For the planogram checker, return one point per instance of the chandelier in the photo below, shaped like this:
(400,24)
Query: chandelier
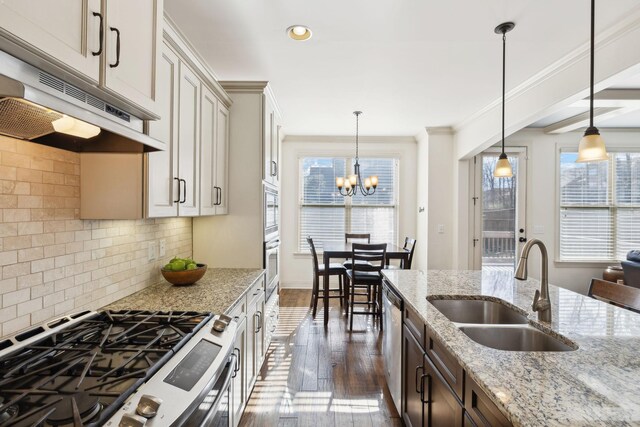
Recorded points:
(350,186)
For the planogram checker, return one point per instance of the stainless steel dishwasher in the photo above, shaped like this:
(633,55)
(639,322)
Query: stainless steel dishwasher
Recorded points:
(392,343)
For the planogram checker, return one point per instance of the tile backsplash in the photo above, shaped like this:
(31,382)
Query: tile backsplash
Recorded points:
(53,263)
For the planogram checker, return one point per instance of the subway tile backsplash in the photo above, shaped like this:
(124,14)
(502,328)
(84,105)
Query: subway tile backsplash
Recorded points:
(51,262)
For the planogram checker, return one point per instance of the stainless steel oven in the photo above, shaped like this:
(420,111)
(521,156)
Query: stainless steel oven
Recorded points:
(271,213)
(272,265)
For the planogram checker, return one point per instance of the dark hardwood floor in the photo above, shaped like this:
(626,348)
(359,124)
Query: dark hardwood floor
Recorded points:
(318,377)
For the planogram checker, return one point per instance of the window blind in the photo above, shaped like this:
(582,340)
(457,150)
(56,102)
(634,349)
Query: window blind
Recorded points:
(599,207)
(326,215)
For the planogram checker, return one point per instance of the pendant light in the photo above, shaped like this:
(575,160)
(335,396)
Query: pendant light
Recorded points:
(351,185)
(503,167)
(591,148)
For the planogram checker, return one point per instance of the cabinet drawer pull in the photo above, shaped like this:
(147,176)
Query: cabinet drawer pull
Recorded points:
(418,387)
(99,52)
(428,377)
(178,200)
(184,195)
(117,31)
(237,367)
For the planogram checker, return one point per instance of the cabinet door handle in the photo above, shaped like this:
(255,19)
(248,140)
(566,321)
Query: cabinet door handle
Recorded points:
(184,195)
(276,167)
(418,387)
(117,31)
(237,367)
(99,52)
(428,377)
(178,200)
(273,167)
(219,196)
(256,317)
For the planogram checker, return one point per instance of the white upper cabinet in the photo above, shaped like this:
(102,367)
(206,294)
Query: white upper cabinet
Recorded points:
(68,30)
(132,39)
(162,166)
(270,142)
(189,142)
(112,45)
(214,150)
(222,159)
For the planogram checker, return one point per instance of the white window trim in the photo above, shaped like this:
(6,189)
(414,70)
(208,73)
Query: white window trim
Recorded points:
(571,147)
(347,154)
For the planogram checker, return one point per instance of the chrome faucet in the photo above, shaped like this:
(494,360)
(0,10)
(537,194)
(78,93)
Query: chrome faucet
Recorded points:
(541,301)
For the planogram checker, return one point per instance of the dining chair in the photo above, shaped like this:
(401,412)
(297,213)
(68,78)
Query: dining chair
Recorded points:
(361,238)
(619,295)
(406,260)
(335,269)
(368,262)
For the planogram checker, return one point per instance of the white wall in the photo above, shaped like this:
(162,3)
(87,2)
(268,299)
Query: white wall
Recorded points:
(296,269)
(542,200)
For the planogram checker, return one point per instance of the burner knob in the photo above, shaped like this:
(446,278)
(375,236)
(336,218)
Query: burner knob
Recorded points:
(148,406)
(132,420)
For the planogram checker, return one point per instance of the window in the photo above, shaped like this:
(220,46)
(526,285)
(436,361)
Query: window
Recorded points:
(599,207)
(326,216)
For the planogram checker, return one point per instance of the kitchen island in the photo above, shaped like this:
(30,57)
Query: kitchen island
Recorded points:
(218,291)
(596,384)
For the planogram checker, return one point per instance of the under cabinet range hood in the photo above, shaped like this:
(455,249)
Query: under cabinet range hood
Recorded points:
(41,108)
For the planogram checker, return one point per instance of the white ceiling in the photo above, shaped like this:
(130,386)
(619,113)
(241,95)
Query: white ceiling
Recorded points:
(407,64)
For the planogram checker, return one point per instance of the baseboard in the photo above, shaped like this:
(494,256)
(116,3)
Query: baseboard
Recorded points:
(295,285)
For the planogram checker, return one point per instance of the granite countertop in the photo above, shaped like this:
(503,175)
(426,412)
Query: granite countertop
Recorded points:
(217,291)
(597,384)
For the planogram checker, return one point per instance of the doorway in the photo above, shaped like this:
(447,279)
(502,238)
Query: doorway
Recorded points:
(499,210)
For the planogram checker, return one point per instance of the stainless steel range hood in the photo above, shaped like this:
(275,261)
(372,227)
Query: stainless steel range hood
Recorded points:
(31,99)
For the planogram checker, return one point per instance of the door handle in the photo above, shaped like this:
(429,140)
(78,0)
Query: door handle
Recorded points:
(237,367)
(99,52)
(117,31)
(522,239)
(177,201)
(184,196)
(428,377)
(274,165)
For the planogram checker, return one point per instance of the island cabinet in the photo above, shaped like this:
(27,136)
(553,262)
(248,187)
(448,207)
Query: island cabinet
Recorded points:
(436,391)
(110,48)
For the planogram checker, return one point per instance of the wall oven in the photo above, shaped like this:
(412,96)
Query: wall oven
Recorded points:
(271,213)
(272,265)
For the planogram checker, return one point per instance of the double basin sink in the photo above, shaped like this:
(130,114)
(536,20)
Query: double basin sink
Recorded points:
(496,325)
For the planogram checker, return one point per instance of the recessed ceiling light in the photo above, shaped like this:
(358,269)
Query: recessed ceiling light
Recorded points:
(299,32)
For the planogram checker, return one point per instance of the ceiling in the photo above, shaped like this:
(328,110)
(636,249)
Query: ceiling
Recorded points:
(407,64)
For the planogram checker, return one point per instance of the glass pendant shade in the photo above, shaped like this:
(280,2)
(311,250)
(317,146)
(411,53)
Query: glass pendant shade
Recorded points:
(503,167)
(591,148)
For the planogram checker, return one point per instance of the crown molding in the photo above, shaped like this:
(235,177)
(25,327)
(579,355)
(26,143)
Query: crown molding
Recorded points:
(439,130)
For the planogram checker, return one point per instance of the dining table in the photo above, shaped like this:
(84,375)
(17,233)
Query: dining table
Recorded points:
(332,250)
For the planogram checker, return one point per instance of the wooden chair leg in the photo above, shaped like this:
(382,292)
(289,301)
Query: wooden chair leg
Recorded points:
(352,292)
(379,304)
(315,294)
(340,290)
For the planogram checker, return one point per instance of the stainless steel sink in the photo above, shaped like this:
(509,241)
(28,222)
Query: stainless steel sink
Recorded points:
(478,311)
(514,338)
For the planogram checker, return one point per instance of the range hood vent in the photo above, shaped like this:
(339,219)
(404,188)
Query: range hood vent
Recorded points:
(31,99)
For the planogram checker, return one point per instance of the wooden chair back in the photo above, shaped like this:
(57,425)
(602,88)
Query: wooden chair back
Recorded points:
(357,236)
(314,254)
(409,246)
(621,295)
(368,258)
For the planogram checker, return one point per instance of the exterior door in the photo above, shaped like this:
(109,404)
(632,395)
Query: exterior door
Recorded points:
(499,210)
(67,31)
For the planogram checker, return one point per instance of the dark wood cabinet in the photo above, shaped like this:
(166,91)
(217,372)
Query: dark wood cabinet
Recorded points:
(482,411)
(442,407)
(446,363)
(412,361)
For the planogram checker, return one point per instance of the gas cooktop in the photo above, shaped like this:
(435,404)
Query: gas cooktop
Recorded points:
(81,373)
